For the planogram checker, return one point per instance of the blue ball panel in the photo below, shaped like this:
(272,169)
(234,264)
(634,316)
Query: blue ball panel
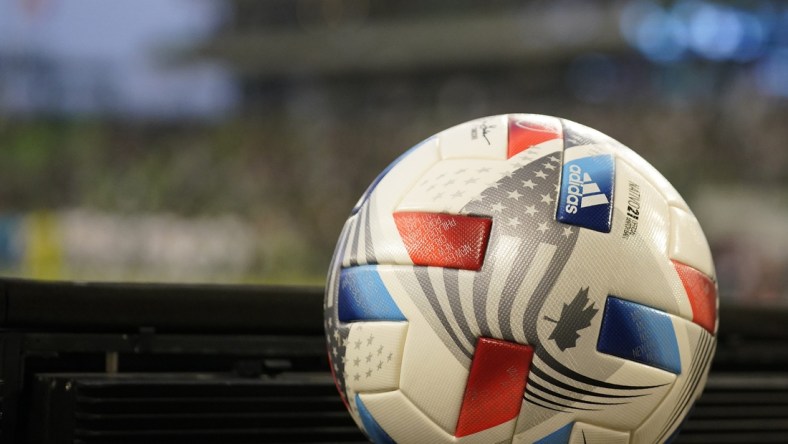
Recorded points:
(586,197)
(364,297)
(374,430)
(560,436)
(639,333)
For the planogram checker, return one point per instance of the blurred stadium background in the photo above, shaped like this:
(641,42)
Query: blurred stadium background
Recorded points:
(225,141)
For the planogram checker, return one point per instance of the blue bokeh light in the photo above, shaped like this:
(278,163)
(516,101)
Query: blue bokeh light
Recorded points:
(715,32)
(771,73)
(708,30)
(654,32)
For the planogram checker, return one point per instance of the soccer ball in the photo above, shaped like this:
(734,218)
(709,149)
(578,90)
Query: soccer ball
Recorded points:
(520,278)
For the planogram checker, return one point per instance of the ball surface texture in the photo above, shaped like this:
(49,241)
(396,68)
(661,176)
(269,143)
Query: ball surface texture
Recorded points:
(520,278)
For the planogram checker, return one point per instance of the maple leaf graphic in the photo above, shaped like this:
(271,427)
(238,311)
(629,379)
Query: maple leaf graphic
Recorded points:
(575,316)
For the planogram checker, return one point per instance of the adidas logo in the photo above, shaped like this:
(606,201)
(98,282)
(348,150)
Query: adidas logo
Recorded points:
(582,190)
(586,192)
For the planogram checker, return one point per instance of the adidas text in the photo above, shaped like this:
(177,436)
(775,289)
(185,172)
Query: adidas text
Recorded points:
(582,191)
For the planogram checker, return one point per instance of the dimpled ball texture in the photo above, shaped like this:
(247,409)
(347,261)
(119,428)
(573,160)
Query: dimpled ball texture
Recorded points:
(520,278)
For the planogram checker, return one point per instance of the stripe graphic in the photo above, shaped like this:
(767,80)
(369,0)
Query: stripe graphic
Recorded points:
(562,385)
(498,291)
(368,247)
(529,395)
(550,362)
(543,386)
(440,290)
(349,256)
(361,248)
(541,260)
(462,312)
(512,293)
(358,254)
(532,383)
(698,368)
(465,280)
(422,276)
(481,283)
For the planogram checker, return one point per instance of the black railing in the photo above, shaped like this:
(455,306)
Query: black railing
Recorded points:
(115,363)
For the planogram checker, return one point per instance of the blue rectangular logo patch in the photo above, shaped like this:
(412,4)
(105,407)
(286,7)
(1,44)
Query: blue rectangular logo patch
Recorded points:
(587,193)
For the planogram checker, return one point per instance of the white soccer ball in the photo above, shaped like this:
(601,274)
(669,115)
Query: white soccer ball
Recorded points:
(521,278)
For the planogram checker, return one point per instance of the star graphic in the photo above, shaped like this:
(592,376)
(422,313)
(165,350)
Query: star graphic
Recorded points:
(356,362)
(336,334)
(358,344)
(554,159)
(498,207)
(334,351)
(431,187)
(514,222)
(541,174)
(472,180)
(543,227)
(369,373)
(369,357)
(457,194)
(388,358)
(549,166)
(515,195)
(460,171)
(531,210)
(356,377)
(546,198)
(449,182)
(477,198)
(380,365)
(437,196)
(529,184)
(483,170)
(380,350)
(567,232)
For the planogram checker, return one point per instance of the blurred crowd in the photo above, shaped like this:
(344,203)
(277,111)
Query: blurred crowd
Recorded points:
(256,188)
